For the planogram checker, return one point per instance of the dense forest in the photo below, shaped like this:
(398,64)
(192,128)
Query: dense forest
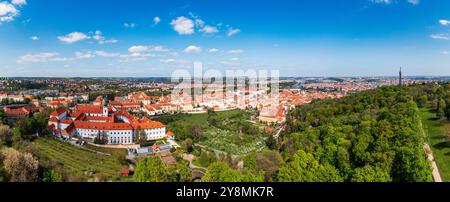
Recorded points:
(371,136)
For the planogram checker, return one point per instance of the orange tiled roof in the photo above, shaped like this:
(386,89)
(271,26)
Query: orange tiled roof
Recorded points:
(102,126)
(89,109)
(58,111)
(16,112)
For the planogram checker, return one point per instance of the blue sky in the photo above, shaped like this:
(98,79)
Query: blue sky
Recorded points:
(153,38)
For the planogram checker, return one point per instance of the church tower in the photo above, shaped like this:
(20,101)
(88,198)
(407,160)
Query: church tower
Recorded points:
(105,107)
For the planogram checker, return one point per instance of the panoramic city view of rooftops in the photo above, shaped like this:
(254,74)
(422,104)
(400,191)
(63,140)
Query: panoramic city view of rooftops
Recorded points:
(225,91)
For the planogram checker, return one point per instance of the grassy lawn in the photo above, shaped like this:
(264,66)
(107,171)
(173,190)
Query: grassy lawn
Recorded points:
(226,134)
(78,161)
(112,151)
(438,138)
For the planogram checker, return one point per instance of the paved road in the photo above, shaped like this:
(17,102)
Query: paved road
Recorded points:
(436,174)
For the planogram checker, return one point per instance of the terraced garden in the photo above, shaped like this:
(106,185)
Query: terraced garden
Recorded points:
(78,161)
(227,131)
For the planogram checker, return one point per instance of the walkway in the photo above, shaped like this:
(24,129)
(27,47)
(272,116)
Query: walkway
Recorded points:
(190,158)
(436,174)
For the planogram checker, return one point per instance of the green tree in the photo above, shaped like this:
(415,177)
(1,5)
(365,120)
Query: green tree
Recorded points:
(370,174)
(250,162)
(422,101)
(447,108)
(51,176)
(101,138)
(221,172)
(2,117)
(5,135)
(305,168)
(150,169)
(179,173)
(195,132)
(271,142)
(411,165)
(440,110)
(140,137)
(187,145)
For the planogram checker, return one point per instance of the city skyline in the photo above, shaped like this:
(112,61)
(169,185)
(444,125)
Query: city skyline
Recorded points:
(153,38)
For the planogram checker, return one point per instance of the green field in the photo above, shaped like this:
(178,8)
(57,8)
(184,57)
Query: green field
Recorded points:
(226,135)
(438,138)
(80,162)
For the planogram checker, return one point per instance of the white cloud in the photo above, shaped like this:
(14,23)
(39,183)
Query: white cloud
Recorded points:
(414,2)
(34,38)
(137,49)
(39,57)
(237,51)
(440,36)
(183,25)
(140,48)
(178,63)
(209,29)
(84,55)
(73,37)
(7,12)
(105,54)
(213,50)
(156,20)
(141,53)
(444,22)
(158,49)
(19,2)
(234,59)
(136,56)
(98,36)
(129,25)
(168,61)
(381,1)
(92,54)
(199,23)
(445,52)
(193,49)
(60,59)
(232,31)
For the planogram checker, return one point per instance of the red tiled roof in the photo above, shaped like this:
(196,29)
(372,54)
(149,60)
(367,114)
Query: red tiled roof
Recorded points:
(97,118)
(170,133)
(58,111)
(89,109)
(66,121)
(102,126)
(155,146)
(150,108)
(16,112)
(139,96)
(53,119)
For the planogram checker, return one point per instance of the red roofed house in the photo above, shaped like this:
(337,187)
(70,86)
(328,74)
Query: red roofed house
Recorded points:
(19,112)
(140,97)
(170,135)
(89,121)
(272,115)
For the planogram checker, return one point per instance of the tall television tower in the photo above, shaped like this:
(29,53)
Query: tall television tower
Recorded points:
(400,83)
